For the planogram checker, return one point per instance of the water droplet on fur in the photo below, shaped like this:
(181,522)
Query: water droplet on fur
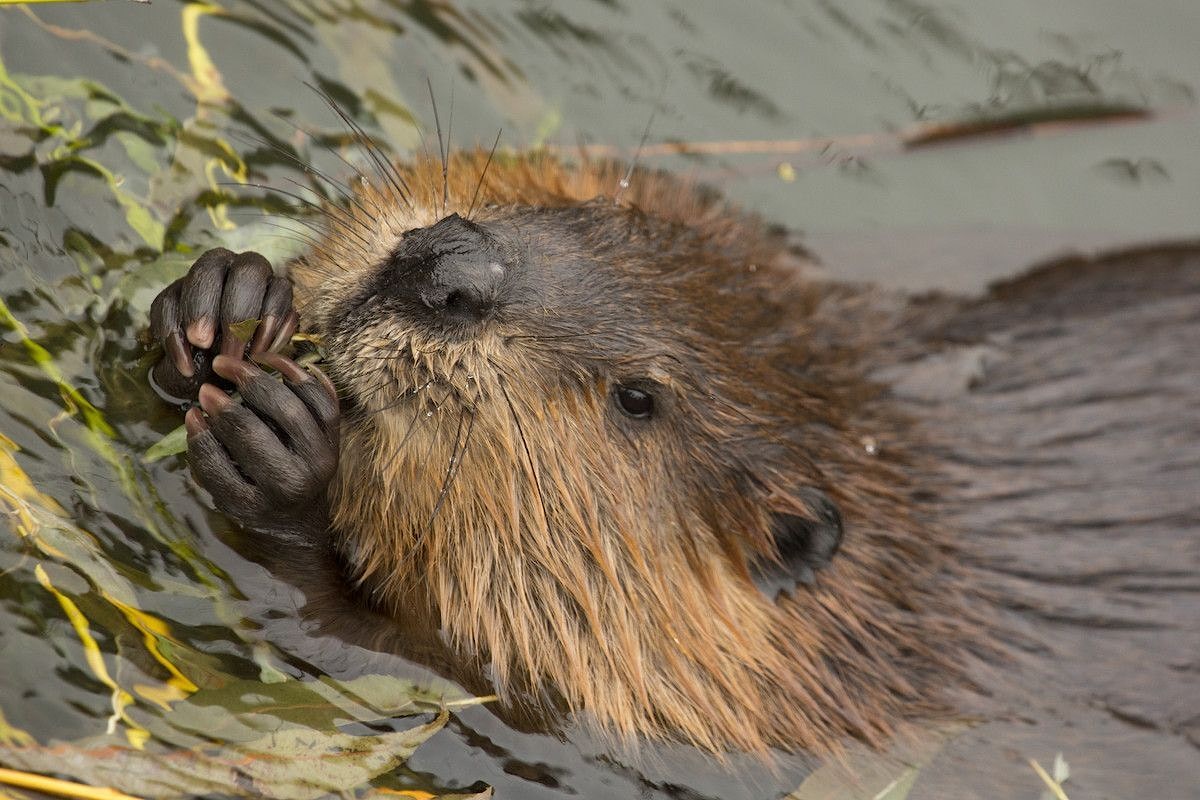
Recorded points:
(429,413)
(623,183)
(871,445)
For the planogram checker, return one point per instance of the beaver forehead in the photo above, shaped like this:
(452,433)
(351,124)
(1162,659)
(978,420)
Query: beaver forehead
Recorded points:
(632,286)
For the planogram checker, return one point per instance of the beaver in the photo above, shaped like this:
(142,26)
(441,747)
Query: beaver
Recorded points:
(601,444)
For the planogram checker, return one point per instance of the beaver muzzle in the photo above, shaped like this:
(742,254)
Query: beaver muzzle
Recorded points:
(452,274)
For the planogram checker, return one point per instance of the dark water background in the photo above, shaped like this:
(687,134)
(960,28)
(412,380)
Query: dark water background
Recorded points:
(120,123)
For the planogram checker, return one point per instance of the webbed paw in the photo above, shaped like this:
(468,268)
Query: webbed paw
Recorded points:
(267,460)
(197,317)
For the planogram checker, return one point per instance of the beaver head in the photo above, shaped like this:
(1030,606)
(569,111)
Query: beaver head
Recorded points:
(591,439)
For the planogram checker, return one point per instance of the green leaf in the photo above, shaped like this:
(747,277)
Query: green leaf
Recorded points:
(391,695)
(263,238)
(172,444)
(140,283)
(245,329)
(547,127)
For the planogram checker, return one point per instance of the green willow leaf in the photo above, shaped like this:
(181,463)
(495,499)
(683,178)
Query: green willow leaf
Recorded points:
(245,329)
(172,444)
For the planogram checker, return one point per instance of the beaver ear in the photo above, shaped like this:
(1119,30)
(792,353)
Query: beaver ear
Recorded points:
(804,543)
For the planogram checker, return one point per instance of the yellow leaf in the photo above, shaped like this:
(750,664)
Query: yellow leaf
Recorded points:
(208,85)
(40,783)
(153,629)
(136,734)
(11,736)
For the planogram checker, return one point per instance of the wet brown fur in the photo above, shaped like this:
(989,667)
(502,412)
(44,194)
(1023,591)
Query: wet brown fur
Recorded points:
(487,489)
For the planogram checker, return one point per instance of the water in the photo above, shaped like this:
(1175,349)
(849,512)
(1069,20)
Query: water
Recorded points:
(110,183)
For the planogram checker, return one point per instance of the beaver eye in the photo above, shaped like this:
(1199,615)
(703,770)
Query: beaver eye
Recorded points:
(636,403)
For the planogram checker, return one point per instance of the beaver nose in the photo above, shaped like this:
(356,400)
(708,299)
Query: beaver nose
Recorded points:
(453,269)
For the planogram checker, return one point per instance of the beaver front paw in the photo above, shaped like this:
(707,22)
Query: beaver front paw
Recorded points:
(267,460)
(198,316)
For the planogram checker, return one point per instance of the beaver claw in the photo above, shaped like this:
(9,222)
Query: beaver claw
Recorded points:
(196,317)
(268,459)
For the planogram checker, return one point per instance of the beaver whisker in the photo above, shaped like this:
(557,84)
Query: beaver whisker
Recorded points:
(625,181)
(443,146)
(383,385)
(345,220)
(457,453)
(296,236)
(324,210)
(405,371)
(383,166)
(412,426)
(379,361)
(437,429)
(532,337)
(346,194)
(403,396)
(391,351)
(533,473)
(378,355)
(260,141)
(365,397)
(293,238)
(309,239)
(483,174)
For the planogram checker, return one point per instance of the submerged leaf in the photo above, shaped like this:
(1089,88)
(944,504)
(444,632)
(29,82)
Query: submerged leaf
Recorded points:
(172,444)
(64,552)
(294,762)
(1061,770)
(1054,789)
(870,775)
(241,710)
(12,736)
(390,695)
(899,788)
(120,698)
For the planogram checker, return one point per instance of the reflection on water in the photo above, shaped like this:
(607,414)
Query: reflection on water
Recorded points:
(133,137)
